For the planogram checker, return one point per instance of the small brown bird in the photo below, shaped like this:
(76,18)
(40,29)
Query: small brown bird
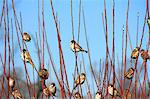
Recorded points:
(148,22)
(113,91)
(144,54)
(52,89)
(26,37)
(80,80)
(46,91)
(43,74)
(77,95)
(129,74)
(98,95)
(11,82)
(127,94)
(25,55)
(75,47)
(135,53)
(16,94)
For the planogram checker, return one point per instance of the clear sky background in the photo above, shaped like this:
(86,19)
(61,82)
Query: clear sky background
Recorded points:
(92,10)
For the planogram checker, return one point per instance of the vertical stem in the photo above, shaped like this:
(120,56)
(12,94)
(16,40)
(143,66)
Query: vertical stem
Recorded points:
(106,37)
(113,43)
(89,56)
(126,39)
(60,48)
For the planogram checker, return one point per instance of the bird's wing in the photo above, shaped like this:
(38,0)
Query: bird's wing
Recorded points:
(127,73)
(31,62)
(77,81)
(27,55)
(77,46)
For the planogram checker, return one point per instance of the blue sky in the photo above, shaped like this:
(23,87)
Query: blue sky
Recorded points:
(93,10)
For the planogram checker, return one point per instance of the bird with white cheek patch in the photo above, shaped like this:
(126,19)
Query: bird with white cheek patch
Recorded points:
(75,47)
(129,74)
(80,80)
(98,95)
(43,74)
(26,37)
(77,95)
(11,82)
(52,89)
(25,55)
(16,94)
(113,91)
(144,54)
(46,91)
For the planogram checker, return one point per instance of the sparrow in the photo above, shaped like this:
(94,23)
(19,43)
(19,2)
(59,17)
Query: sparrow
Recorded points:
(129,74)
(75,47)
(11,82)
(77,95)
(52,89)
(98,95)
(135,53)
(43,74)
(144,54)
(46,91)
(25,55)
(127,94)
(113,91)
(26,37)
(148,22)
(80,80)
(16,94)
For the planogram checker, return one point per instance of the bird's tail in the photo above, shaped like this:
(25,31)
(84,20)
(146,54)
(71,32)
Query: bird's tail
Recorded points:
(118,94)
(84,50)
(74,86)
(31,62)
(125,75)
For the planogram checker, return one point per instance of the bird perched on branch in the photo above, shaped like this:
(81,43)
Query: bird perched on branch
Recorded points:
(129,74)
(80,80)
(77,95)
(75,47)
(43,74)
(25,55)
(46,91)
(52,89)
(98,95)
(135,53)
(26,37)
(113,91)
(16,94)
(11,82)
(144,54)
